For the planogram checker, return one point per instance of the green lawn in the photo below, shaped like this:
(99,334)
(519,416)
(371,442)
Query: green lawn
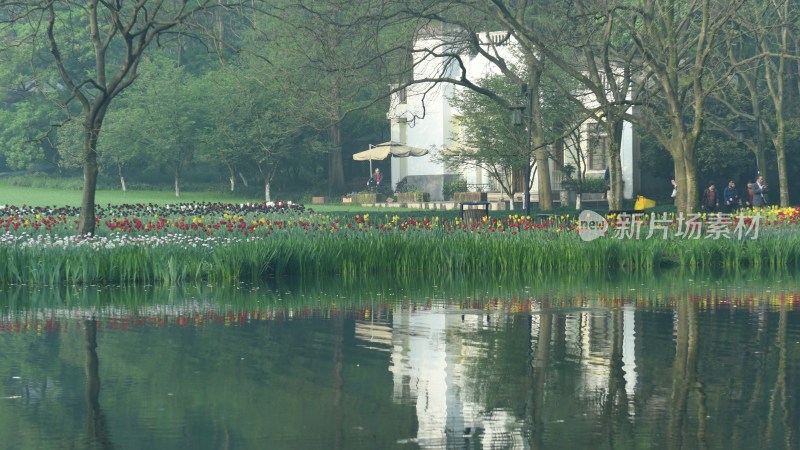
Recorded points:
(15,195)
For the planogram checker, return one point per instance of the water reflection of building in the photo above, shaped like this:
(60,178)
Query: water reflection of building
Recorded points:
(374,334)
(590,338)
(629,351)
(431,351)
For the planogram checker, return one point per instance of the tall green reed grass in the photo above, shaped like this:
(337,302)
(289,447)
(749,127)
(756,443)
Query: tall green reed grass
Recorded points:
(396,255)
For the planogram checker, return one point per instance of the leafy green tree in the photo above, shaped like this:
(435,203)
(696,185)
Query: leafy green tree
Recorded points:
(759,49)
(600,58)
(493,143)
(327,63)
(96,50)
(27,115)
(463,27)
(247,126)
(675,45)
(26,137)
(671,44)
(228,110)
(169,126)
(488,140)
(121,143)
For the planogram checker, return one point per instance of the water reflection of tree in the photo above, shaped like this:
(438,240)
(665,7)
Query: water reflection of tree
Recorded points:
(97,430)
(720,358)
(614,408)
(778,398)
(713,357)
(684,381)
(610,401)
(538,378)
(338,381)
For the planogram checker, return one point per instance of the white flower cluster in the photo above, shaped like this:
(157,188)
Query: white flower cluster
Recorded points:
(116,240)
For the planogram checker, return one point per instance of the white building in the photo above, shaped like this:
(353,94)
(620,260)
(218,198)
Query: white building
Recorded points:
(422,116)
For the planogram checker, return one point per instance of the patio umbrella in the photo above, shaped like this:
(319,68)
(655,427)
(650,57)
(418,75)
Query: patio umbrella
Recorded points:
(382,151)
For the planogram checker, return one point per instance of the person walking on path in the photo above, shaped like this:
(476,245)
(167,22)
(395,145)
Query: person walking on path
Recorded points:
(760,193)
(374,181)
(731,197)
(710,200)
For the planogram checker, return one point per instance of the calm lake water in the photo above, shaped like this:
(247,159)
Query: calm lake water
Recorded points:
(675,362)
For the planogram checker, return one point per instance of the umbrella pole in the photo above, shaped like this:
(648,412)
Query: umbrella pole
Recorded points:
(370,160)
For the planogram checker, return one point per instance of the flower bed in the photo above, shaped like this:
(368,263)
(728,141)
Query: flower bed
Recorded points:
(228,243)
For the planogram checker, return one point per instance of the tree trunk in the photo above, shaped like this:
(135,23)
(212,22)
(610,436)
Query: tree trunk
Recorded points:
(232,178)
(219,33)
(121,173)
(775,82)
(244,180)
(779,138)
(540,154)
(519,181)
(86,222)
(692,194)
(545,189)
(335,166)
(616,188)
(680,180)
(685,171)
(506,187)
(177,182)
(267,197)
(783,175)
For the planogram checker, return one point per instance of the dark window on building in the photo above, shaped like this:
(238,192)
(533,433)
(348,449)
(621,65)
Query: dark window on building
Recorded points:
(401,96)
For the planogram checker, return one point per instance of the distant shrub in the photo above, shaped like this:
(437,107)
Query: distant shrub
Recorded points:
(595,185)
(403,186)
(47,181)
(589,185)
(459,185)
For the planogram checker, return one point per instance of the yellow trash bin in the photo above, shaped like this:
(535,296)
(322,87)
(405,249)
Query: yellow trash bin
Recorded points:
(643,203)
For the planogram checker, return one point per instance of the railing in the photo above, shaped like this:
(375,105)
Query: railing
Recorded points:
(478,187)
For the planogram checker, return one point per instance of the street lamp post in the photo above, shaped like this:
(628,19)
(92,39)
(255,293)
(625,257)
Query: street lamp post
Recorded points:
(518,114)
